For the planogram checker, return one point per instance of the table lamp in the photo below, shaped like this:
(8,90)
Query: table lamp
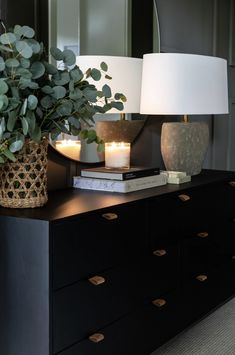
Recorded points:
(184,84)
(126,75)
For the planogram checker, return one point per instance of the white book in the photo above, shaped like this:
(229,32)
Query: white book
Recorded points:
(119,186)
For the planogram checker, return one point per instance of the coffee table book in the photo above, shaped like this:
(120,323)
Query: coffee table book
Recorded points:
(123,186)
(134,172)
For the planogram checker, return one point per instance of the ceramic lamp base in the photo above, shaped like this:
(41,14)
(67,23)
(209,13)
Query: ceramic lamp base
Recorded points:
(184,146)
(119,131)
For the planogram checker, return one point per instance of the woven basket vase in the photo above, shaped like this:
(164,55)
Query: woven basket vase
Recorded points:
(23,184)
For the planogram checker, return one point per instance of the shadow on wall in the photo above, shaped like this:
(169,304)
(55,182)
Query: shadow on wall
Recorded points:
(146,149)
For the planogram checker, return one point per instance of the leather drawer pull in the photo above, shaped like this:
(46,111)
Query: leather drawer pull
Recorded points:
(232,183)
(110,216)
(203,234)
(201,278)
(97,280)
(159,302)
(96,338)
(184,197)
(159,252)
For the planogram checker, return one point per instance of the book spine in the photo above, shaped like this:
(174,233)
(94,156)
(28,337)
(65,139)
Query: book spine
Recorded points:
(119,186)
(140,173)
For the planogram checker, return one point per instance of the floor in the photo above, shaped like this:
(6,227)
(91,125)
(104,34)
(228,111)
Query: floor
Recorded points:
(214,335)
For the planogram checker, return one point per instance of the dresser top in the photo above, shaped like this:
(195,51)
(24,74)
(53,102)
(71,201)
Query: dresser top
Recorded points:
(71,202)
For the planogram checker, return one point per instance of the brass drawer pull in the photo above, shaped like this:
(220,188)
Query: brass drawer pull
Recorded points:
(96,338)
(110,216)
(159,252)
(184,197)
(232,183)
(203,234)
(159,302)
(97,280)
(201,278)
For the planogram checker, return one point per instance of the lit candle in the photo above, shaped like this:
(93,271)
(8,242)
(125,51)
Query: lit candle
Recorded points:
(69,148)
(117,155)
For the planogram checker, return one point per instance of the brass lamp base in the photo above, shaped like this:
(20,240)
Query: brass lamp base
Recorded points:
(184,146)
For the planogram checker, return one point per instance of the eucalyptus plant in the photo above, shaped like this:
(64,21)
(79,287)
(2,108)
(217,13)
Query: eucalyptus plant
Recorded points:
(38,99)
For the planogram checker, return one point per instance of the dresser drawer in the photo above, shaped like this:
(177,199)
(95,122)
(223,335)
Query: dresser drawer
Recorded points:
(200,254)
(139,333)
(179,215)
(82,308)
(97,241)
(199,297)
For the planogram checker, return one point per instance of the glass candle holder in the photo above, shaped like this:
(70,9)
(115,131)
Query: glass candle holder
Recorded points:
(69,148)
(117,155)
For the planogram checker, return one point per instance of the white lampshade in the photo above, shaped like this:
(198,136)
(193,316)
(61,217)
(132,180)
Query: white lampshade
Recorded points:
(176,83)
(126,77)
(184,84)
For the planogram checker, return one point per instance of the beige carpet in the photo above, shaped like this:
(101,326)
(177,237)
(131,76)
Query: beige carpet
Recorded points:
(214,335)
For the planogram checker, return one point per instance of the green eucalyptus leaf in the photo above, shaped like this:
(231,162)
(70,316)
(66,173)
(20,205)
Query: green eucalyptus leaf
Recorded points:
(2,160)
(106,91)
(7,38)
(2,64)
(91,134)
(33,85)
(64,79)
(15,92)
(90,94)
(50,68)
(25,63)
(76,94)
(46,102)
(25,125)
(27,32)
(69,58)
(3,87)
(9,155)
(12,63)
(23,108)
(17,30)
(65,108)
(108,77)
(16,146)
(95,74)
(37,69)
(75,131)
(73,120)
(104,66)
(34,45)
(25,73)
(30,117)
(13,103)
(12,118)
(119,96)
(32,102)
(3,102)
(100,147)
(47,89)
(24,49)
(118,105)
(59,92)
(76,74)
(5,49)
(56,53)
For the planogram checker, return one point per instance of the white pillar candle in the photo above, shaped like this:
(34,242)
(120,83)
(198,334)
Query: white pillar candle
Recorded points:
(69,148)
(117,155)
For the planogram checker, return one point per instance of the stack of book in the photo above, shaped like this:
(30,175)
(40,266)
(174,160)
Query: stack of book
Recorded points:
(119,180)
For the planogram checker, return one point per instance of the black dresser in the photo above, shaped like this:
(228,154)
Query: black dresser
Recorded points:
(98,273)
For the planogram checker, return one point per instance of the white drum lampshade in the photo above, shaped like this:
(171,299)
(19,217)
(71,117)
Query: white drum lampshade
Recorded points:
(184,84)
